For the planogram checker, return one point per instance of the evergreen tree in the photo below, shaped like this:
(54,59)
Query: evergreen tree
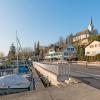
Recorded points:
(12,52)
(38,48)
(41,54)
(1,55)
(35,51)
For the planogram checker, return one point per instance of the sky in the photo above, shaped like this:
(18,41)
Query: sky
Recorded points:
(44,20)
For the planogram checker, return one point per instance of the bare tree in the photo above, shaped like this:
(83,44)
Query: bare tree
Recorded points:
(61,40)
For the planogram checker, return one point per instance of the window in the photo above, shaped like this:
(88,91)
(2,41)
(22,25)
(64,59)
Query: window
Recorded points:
(93,52)
(68,48)
(87,52)
(91,46)
(57,53)
(51,54)
(72,49)
(65,53)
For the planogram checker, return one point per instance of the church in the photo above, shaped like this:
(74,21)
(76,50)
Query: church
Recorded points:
(83,35)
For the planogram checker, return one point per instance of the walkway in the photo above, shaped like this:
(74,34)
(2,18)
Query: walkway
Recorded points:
(37,80)
(69,92)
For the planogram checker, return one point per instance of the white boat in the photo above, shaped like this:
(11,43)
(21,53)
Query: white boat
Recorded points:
(14,81)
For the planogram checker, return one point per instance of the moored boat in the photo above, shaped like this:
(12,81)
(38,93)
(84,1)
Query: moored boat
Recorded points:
(13,83)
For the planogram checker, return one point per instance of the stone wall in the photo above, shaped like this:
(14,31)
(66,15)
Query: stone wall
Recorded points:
(54,73)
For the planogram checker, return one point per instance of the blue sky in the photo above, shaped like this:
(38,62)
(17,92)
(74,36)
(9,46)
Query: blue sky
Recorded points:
(44,20)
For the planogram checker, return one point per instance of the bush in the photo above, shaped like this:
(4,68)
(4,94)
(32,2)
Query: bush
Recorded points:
(92,58)
(9,62)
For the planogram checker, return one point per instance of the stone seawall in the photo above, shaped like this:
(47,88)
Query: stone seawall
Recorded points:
(54,73)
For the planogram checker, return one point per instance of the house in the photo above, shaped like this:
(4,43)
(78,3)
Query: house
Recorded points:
(55,52)
(53,55)
(64,53)
(92,48)
(69,53)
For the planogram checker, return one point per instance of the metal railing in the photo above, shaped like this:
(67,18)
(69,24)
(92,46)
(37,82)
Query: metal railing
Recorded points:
(58,69)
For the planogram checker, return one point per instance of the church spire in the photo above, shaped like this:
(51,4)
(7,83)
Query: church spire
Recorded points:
(90,27)
(91,21)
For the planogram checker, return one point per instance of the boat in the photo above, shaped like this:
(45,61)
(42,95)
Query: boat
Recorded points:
(13,83)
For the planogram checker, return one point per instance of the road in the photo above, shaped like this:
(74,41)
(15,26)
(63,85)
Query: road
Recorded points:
(89,75)
(93,71)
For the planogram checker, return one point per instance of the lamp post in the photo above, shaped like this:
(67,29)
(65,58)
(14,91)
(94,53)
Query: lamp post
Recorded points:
(70,56)
(68,70)
(86,64)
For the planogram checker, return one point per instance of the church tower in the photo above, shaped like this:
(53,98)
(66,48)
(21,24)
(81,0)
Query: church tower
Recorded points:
(91,27)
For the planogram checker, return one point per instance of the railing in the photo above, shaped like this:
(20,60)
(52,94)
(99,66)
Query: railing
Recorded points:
(57,69)
(7,71)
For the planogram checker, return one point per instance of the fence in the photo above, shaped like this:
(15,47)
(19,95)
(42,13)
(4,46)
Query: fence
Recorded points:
(7,71)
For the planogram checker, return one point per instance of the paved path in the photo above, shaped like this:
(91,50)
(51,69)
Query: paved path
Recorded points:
(78,91)
(38,82)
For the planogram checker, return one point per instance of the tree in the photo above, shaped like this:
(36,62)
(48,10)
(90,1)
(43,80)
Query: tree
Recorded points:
(35,48)
(9,62)
(60,40)
(80,52)
(69,38)
(26,53)
(12,52)
(98,57)
(94,37)
(1,55)
(38,48)
(41,54)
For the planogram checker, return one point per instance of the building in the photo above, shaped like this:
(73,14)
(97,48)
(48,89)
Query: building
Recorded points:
(69,53)
(53,55)
(83,35)
(92,49)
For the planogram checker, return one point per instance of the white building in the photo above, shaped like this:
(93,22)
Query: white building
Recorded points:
(52,55)
(81,36)
(93,48)
(85,33)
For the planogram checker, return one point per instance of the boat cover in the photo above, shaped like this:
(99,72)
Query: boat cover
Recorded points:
(14,81)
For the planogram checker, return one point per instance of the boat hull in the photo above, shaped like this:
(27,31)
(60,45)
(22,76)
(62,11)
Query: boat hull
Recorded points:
(4,91)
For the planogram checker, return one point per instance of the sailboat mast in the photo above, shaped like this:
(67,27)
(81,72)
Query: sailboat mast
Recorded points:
(17,48)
